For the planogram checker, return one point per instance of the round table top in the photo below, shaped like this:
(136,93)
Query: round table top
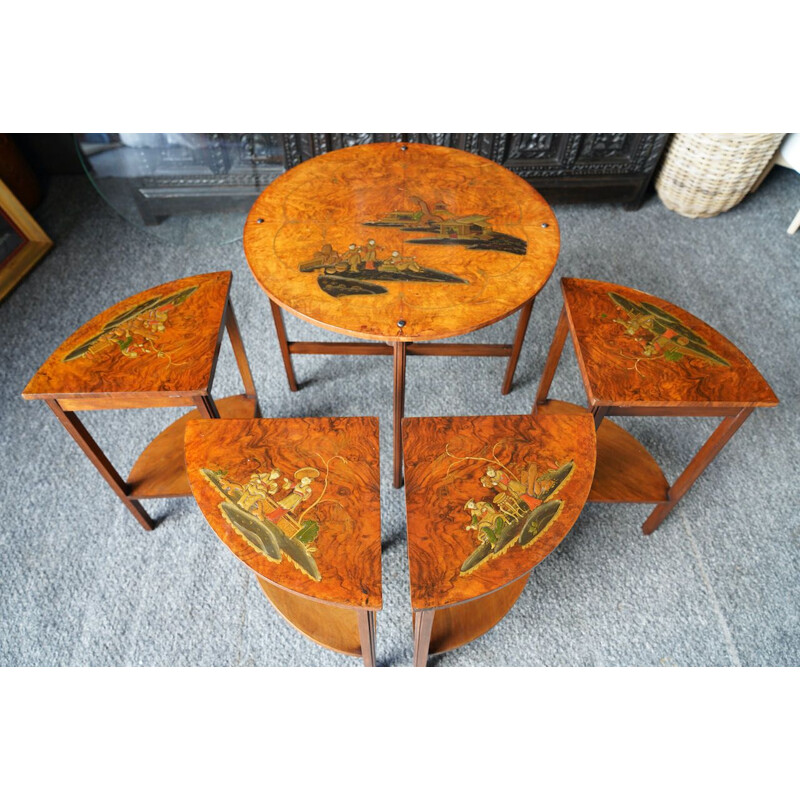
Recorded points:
(488,498)
(401,242)
(635,349)
(297,500)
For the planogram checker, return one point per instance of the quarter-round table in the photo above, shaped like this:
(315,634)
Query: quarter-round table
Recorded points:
(487,499)
(401,244)
(298,502)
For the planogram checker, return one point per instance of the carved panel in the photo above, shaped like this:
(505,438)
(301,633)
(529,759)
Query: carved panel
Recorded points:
(441,139)
(543,153)
(261,148)
(325,142)
(537,146)
(483,144)
(606,145)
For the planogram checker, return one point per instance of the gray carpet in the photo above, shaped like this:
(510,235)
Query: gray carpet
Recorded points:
(82,584)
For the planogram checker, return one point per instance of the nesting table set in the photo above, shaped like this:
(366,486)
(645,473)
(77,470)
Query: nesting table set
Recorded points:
(399,245)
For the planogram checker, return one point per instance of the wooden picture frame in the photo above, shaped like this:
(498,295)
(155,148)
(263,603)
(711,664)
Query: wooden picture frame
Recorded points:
(34,242)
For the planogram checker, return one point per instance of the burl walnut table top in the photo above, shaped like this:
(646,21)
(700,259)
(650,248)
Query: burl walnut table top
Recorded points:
(297,500)
(487,498)
(364,238)
(635,349)
(162,340)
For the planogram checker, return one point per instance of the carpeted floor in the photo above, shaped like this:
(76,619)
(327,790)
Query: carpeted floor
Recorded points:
(82,584)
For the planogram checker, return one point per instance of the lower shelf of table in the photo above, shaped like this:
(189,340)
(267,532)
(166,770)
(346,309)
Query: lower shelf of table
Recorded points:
(331,626)
(625,471)
(160,471)
(455,626)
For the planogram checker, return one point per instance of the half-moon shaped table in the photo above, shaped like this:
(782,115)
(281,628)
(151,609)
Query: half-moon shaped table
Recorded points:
(640,355)
(298,502)
(401,244)
(157,348)
(487,498)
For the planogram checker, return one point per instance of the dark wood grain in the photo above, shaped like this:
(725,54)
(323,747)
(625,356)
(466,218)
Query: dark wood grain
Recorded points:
(347,549)
(622,367)
(328,201)
(440,481)
(136,356)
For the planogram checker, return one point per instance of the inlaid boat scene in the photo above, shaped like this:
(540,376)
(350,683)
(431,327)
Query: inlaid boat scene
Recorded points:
(470,230)
(515,505)
(136,331)
(362,269)
(659,334)
(270,511)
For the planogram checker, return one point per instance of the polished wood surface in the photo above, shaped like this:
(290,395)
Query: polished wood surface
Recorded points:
(322,508)
(639,350)
(163,341)
(473,241)
(538,463)
(640,355)
(456,626)
(625,471)
(160,471)
(331,626)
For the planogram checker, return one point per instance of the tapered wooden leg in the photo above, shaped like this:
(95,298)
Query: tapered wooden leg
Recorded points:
(553,357)
(241,357)
(522,327)
(284,344)
(707,453)
(598,412)
(206,405)
(399,409)
(89,446)
(423,625)
(366,631)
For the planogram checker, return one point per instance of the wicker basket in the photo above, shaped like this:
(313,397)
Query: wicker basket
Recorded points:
(704,174)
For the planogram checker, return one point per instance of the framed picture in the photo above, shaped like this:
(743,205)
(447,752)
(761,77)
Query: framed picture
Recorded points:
(22,242)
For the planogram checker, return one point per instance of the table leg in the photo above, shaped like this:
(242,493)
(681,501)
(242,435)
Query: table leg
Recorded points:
(598,412)
(89,446)
(284,344)
(705,455)
(241,357)
(423,625)
(366,631)
(399,409)
(553,357)
(522,327)
(207,407)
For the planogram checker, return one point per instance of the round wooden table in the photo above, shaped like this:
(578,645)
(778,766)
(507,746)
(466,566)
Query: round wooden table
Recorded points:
(487,499)
(401,244)
(298,502)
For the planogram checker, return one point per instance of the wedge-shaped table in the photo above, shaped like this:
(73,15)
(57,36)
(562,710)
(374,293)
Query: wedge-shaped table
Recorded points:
(401,244)
(157,348)
(487,498)
(298,502)
(640,355)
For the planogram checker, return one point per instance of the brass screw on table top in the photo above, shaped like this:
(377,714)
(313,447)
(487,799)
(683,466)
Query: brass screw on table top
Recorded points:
(404,147)
(259,221)
(544,224)
(401,323)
